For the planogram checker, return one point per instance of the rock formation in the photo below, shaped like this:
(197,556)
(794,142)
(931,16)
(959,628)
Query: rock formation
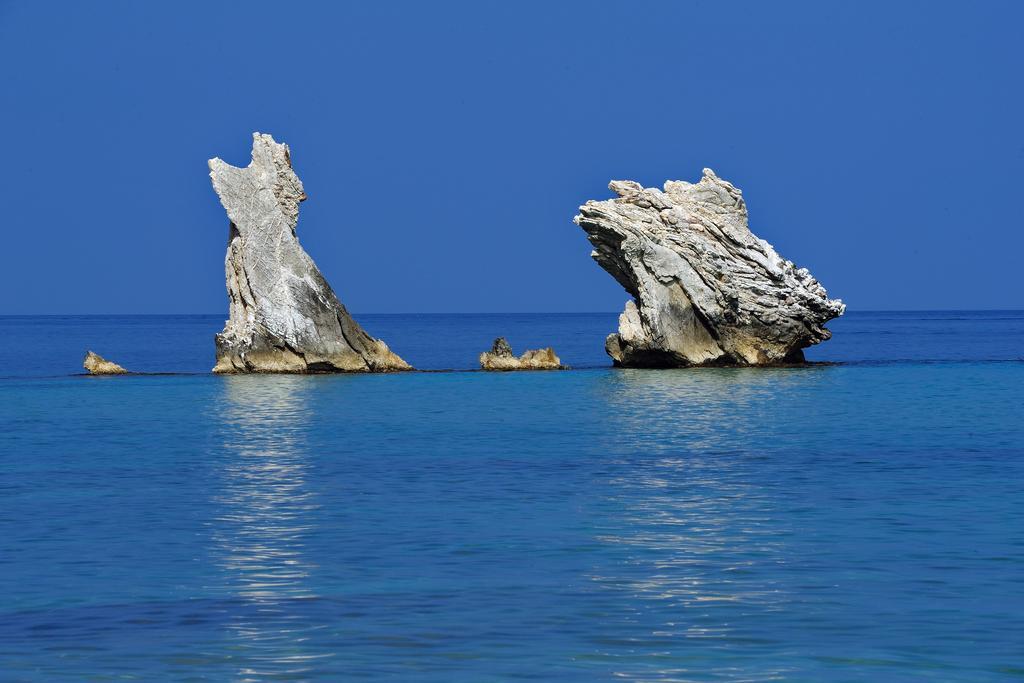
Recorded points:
(706,291)
(98,365)
(500,357)
(284,317)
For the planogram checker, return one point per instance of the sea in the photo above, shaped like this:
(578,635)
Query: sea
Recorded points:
(860,518)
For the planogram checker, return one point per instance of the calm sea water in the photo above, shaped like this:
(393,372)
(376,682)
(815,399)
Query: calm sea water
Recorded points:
(852,522)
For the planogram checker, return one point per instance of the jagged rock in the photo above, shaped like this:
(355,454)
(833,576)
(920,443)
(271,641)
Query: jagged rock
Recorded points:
(284,317)
(501,348)
(706,291)
(98,365)
(500,357)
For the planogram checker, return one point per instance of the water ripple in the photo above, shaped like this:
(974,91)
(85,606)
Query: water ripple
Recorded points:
(260,530)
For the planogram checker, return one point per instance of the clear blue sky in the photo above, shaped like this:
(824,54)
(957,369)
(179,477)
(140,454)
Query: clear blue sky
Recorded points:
(446,146)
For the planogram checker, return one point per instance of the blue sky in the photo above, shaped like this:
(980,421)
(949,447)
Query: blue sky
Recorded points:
(446,146)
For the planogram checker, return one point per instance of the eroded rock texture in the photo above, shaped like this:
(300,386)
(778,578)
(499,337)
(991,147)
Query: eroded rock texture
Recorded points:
(284,317)
(500,357)
(98,365)
(706,290)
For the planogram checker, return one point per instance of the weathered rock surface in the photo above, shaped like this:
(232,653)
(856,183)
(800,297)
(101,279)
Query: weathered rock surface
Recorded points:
(500,357)
(706,290)
(284,317)
(98,365)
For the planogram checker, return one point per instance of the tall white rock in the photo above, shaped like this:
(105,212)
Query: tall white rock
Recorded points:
(706,290)
(284,317)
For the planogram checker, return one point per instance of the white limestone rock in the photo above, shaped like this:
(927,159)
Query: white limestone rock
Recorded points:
(284,317)
(706,290)
(98,365)
(500,357)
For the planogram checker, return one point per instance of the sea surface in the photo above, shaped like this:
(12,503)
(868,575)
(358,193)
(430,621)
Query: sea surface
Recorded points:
(856,520)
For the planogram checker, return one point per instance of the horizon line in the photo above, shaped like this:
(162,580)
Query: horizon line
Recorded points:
(225,313)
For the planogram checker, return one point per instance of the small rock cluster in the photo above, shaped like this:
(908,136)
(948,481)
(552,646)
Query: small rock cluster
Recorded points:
(98,365)
(500,357)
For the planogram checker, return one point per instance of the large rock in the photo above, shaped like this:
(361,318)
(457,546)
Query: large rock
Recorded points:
(706,290)
(500,357)
(284,317)
(98,365)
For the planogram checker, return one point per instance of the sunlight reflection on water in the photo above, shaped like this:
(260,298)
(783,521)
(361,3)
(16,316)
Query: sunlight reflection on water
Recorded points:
(699,547)
(261,531)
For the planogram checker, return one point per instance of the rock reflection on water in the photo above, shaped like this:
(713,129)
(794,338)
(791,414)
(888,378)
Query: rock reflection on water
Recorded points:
(261,531)
(697,546)
(705,408)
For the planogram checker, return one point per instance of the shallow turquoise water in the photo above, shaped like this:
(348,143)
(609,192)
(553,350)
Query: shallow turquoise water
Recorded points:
(859,521)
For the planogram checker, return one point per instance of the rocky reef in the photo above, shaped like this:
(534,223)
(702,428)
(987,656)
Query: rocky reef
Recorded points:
(500,357)
(706,290)
(284,317)
(98,365)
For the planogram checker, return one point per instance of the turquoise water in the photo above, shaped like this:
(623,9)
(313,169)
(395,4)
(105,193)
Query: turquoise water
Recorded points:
(855,521)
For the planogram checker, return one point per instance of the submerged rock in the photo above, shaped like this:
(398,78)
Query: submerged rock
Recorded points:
(284,317)
(500,357)
(98,365)
(706,290)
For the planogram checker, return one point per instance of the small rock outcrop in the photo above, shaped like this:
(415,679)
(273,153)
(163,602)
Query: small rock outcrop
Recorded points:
(706,290)
(500,357)
(284,317)
(98,365)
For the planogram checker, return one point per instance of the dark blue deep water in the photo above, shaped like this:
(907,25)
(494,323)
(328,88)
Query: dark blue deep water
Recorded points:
(857,521)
